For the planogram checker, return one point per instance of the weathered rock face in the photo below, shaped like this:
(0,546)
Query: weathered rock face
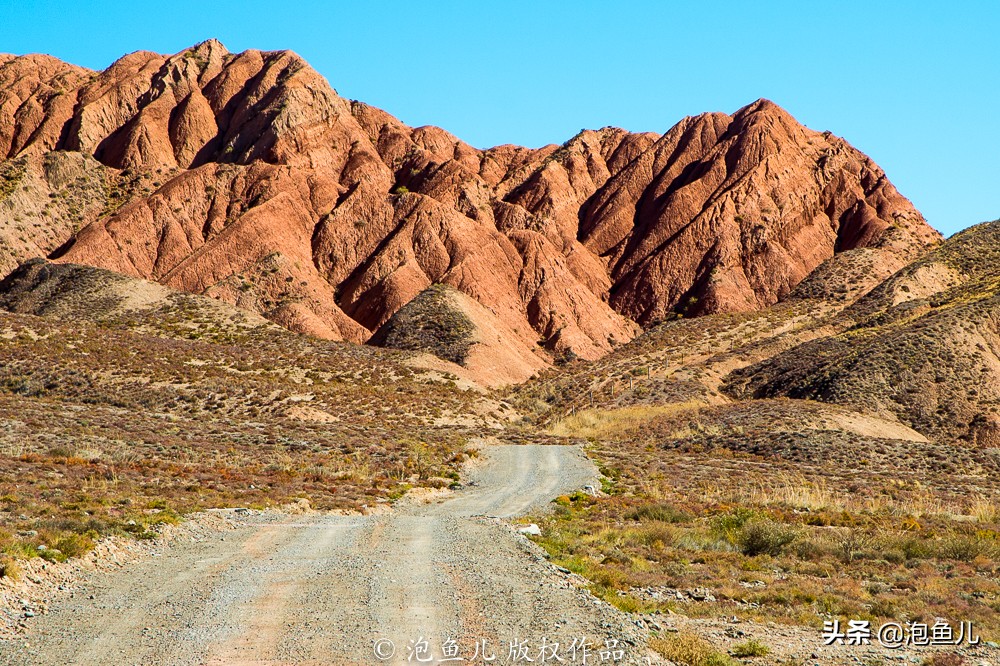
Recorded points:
(730,213)
(246,177)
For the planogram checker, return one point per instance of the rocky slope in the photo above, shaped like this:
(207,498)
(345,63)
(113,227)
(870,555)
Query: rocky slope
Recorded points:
(247,178)
(919,348)
(923,346)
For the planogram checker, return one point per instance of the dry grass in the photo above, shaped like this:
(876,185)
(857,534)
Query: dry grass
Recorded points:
(784,535)
(602,423)
(687,649)
(798,491)
(120,426)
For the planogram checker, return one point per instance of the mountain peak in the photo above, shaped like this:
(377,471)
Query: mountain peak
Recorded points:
(209,45)
(765,106)
(245,177)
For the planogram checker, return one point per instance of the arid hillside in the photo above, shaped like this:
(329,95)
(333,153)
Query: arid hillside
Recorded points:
(918,348)
(832,455)
(787,380)
(124,400)
(247,178)
(923,347)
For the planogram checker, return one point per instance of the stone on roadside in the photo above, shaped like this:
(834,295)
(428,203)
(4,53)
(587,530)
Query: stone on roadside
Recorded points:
(531,530)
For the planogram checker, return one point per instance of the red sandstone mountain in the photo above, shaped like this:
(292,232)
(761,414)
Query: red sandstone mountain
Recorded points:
(246,177)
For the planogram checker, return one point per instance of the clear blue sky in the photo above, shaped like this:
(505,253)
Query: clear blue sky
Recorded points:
(916,84)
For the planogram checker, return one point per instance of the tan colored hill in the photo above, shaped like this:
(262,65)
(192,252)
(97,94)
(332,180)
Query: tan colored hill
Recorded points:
(447,323)
(924,347)
(247,178)
(917,349)
(912,356)
(84,295)
(72,292)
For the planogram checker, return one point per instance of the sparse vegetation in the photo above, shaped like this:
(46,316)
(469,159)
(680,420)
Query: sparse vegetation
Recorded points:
(122,424)
(750,648)
(689,650)
(895,343)
(771,545)
(12,172)
(431,322)
(765,509)
(763,537)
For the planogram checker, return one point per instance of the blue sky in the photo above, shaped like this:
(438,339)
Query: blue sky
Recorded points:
(916,85)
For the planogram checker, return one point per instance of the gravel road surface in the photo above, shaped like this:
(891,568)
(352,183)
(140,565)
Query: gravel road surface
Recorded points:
(325,589)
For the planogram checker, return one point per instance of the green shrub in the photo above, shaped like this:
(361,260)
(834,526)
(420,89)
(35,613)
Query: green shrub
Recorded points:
(915,548)
(964,548)
(751,648)
(52,555)
(883,607)
(663,512)
(726,525)
(764,537)
(75,545)
(689,650)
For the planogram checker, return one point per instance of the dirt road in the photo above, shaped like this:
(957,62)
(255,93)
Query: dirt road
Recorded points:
(321,589)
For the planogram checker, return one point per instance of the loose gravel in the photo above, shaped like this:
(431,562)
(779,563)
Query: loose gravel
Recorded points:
(270,588)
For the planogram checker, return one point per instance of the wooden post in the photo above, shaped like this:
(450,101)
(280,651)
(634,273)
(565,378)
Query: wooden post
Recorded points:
(649,371)
(612,390)
(591,398)
(630,379)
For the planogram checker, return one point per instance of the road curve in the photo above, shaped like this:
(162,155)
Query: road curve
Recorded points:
(324,589)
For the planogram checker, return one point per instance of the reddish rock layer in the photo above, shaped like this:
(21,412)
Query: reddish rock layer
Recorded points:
(246,177)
